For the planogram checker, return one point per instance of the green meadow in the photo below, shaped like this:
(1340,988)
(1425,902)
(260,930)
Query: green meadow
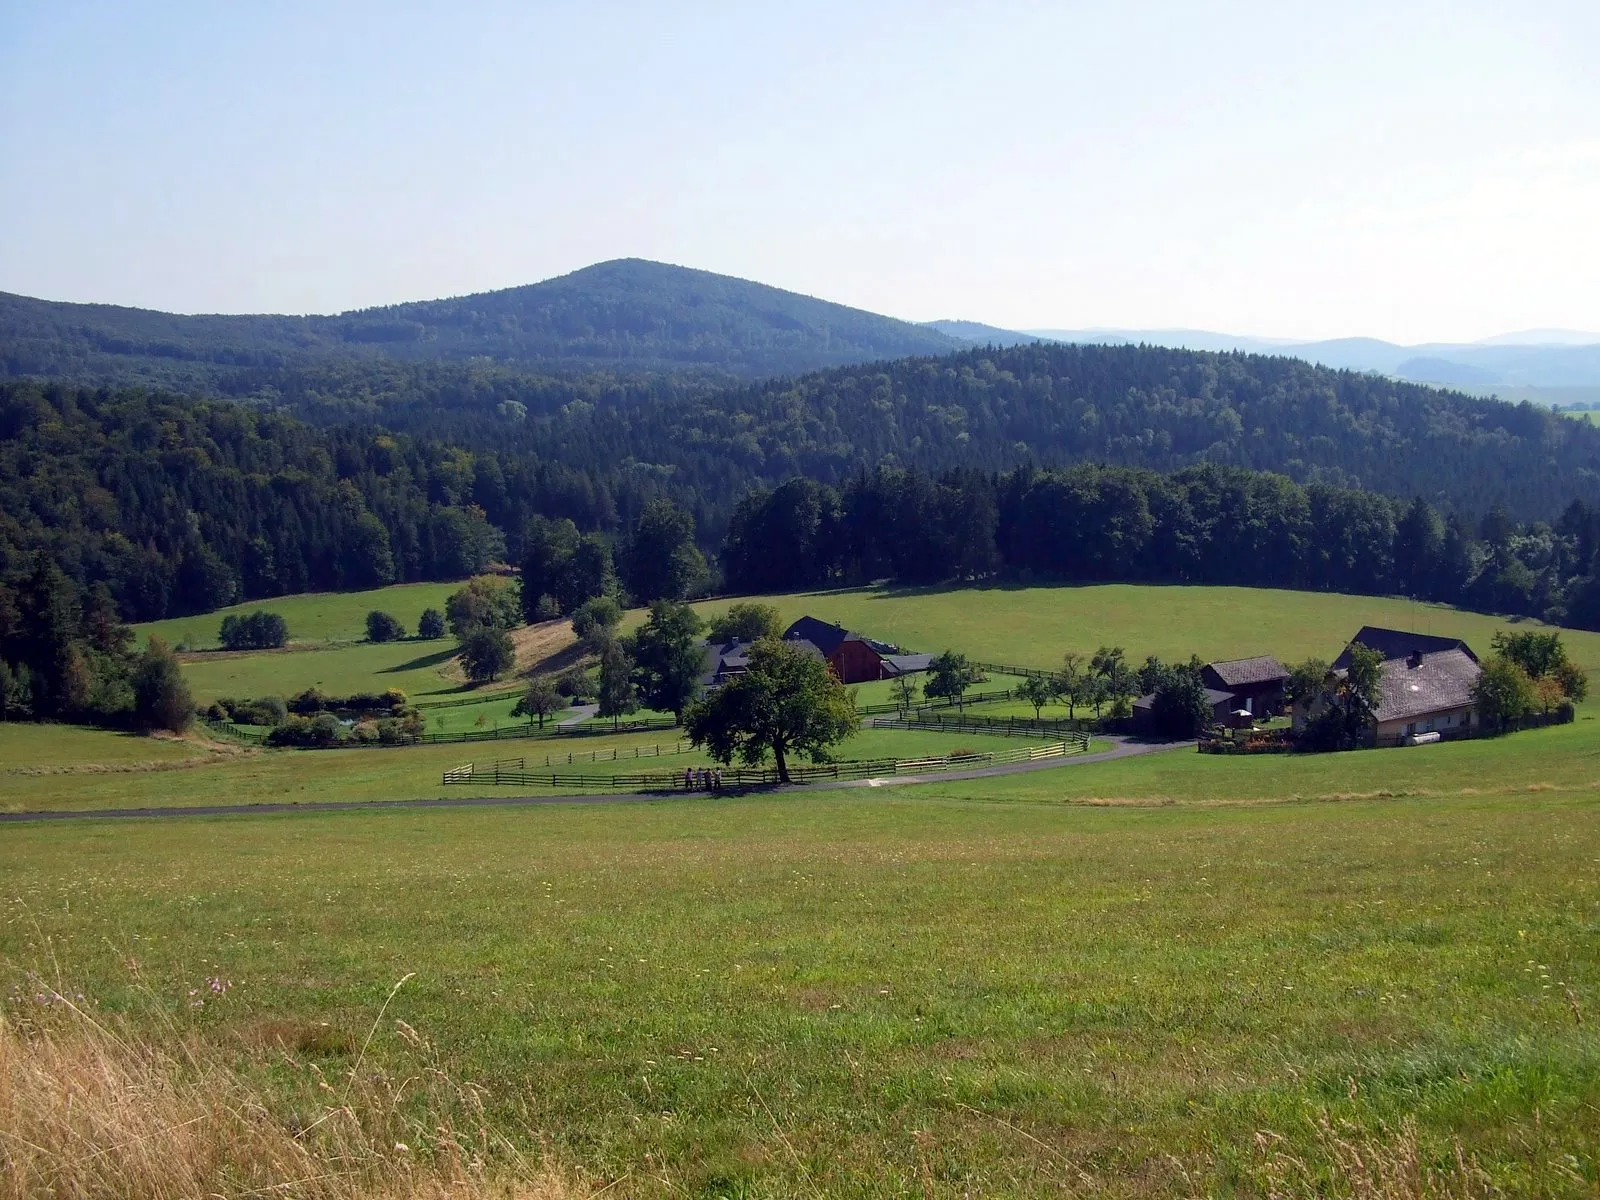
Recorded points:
(98,770)
(312,617)
(1035,626)
(1168,975)
(413,667)
(881,992)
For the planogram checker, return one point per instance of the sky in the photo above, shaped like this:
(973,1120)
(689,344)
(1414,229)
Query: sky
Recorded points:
(1407,170)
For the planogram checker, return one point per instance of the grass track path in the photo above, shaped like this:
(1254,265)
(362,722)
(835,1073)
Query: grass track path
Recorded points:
(1122,747)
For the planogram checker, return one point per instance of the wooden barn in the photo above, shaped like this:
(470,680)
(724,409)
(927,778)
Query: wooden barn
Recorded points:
(853,658)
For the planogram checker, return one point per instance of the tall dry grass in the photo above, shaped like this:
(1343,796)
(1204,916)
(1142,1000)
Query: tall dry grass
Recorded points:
(87,1111)
(1359,1165)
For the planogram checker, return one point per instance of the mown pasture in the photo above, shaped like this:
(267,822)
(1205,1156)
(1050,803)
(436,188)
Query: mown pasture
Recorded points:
(1035,626)
(313,616)
(102,775)
(879,993)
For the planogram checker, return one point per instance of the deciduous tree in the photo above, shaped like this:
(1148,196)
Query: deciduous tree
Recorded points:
(787,702)
(949,677)
(539,699)
(487,653)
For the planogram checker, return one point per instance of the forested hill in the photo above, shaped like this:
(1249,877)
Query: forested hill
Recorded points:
(165,505)
(993,409)
(629,315)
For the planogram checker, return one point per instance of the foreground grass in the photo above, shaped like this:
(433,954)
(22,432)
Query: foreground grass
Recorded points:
(89,1109)
(872,994)
(1035,626)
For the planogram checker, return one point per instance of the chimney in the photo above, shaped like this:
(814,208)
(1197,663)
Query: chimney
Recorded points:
(1415,659)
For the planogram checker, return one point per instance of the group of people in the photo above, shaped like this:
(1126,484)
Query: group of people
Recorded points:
(702,779)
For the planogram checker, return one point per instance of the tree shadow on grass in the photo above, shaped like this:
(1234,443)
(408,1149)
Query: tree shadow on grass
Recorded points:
(436,659)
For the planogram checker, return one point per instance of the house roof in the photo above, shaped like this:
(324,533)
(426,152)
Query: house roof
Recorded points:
(821,634)
(1437,682)
(1397,643)
(907,664)
(1214,698)
(1241,672)
(727,658)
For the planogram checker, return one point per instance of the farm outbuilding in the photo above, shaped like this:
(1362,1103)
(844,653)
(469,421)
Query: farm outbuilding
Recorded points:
(1221,703)
(1256,684)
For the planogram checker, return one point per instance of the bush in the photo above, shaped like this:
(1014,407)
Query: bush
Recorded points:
(312,700)
(382,627)
(595,617)
(161,698)
(431,625)
(16,692)
(321,730)
(259,630)
(546,608)
(265,710)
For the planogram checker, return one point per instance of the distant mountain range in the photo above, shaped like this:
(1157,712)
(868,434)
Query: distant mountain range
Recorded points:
(628,315)
(1536,359)
(632,316)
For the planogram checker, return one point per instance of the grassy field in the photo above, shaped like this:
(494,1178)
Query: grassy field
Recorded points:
(1034,626)
(314,616)
(1173,975)
(1028,626)
(872,994)
(402,773)
(24,747)
(413,667)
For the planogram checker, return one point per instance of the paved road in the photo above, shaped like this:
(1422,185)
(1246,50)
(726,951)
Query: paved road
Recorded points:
(1121,748)
(580,714)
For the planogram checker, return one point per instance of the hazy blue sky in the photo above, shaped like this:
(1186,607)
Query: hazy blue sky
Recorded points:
(1406,170)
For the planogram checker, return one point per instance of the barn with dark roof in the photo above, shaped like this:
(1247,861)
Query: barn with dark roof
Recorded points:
(1256,684)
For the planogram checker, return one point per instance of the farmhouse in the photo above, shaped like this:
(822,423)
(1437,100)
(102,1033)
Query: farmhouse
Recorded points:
(723,662)
(1255,684)
(853,658)
(1426,686)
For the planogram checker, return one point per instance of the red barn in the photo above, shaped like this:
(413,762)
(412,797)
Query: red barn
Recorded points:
(852,657)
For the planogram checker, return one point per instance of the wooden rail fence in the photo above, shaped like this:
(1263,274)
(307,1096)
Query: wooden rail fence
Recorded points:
(518,772)
(993,726)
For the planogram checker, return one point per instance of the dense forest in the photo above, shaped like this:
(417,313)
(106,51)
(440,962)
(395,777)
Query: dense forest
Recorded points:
(629,315)
(182,506)
(173,505)
(991,410)
(1206,524)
